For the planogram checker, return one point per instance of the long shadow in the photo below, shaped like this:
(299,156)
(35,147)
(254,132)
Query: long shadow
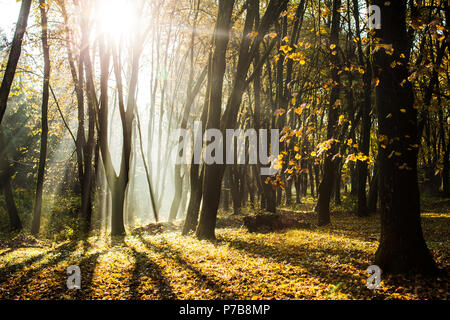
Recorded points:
(287,250)
(315,269)
(340,229)
(59,254)
(87,267)
(144,264)
(175,255)
(6,271)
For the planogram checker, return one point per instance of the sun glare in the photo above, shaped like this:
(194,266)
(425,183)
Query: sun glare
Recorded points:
(116,18)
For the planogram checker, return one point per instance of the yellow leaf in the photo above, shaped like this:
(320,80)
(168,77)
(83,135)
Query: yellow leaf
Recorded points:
(377,82)
(285,48)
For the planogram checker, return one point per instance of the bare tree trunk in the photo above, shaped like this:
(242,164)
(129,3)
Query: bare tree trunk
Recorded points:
(211,187)
(14,55)
(330,166)
(35,226)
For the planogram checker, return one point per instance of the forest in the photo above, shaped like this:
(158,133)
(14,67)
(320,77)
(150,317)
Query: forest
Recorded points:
(224,149)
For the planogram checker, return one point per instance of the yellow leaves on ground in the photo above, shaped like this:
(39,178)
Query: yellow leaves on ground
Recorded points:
(317,263)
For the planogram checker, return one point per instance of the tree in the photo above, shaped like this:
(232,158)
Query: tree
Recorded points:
(5,185)
(14,55)
(402,248)
(212,180)
(35,226)
(330,165)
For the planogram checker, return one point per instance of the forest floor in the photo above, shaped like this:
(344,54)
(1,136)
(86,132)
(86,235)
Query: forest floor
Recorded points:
(314,263)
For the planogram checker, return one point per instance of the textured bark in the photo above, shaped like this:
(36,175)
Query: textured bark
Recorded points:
(402,248)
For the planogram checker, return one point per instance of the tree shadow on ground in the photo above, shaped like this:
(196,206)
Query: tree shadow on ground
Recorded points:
(87,266)
(215,285)
(330,273)
(145,266)
(13,268)
(61,253)
(324,272)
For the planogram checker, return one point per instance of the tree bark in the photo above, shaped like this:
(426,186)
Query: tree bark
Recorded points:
(14,55)
(402,248)
(330,165)
(213,173)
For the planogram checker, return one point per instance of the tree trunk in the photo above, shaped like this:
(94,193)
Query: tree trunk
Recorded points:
(35,226)
(362,209)
(330,166)
(14,55)
(311,179)
(14,219)
(175,206)
(195,199)
(214,173)
(118,200)
(298,189)
(373,191)
(289,192)
(402,248)
(337,186)
(446,172)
